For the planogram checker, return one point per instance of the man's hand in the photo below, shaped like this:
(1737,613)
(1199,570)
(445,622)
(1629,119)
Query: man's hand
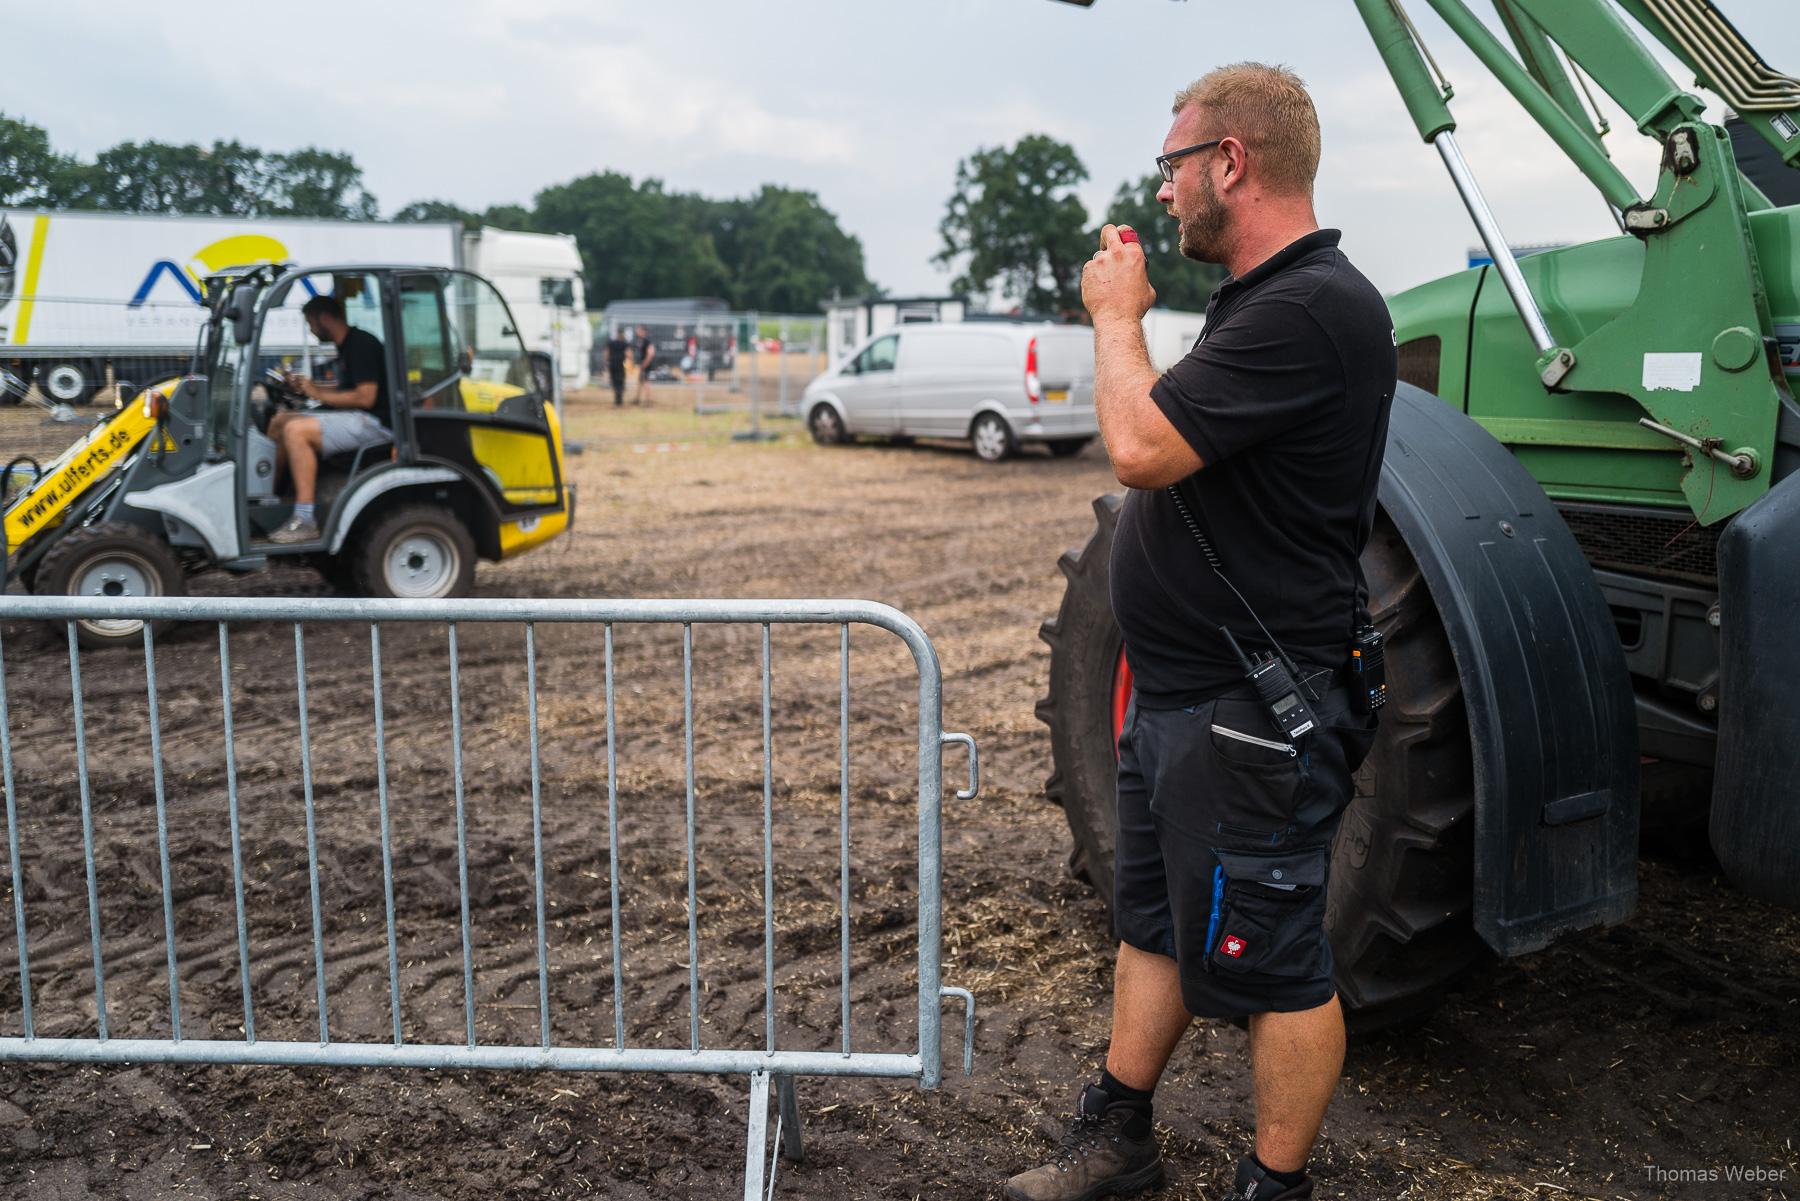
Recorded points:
(296,382)
(1114,283)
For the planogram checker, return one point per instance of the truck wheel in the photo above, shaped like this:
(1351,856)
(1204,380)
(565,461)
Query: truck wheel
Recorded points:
(826,426)
(415,552)
(993,438)
(1402,868)
(70,381)
(110,559)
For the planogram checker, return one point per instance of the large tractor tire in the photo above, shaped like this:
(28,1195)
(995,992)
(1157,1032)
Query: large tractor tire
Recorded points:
(110,559)
(1402,869)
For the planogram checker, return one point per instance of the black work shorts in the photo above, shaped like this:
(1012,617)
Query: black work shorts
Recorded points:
(1224,847)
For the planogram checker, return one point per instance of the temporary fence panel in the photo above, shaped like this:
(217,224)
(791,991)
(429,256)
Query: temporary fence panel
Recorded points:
(764,1064)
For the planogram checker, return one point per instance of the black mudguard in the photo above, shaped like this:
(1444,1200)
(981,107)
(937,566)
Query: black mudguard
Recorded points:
(1755,822)
(1551,712)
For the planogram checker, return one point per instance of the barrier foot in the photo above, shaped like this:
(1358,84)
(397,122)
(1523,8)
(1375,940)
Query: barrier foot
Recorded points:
(757,1144)
(788,1124)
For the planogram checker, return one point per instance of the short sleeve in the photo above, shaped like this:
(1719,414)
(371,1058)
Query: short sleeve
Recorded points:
(362,362)
(1266,370)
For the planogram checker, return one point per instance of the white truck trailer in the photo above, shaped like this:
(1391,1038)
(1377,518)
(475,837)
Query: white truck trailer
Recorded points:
(85,294)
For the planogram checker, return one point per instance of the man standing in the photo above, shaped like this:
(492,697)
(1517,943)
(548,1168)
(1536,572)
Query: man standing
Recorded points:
(1260,450)
(356,412)
(616,350)
(644,351)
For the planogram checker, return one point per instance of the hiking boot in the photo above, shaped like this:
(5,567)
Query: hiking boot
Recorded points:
(1096,1158)
(1254,1184)
(294,530)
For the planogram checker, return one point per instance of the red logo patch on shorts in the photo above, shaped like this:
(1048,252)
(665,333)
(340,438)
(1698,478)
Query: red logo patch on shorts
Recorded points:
(1233,946)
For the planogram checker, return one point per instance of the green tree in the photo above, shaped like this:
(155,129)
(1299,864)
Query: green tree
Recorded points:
(786,252)
(637,240)
(30,171)
(1180,283)
(1014,218)
(315,183)
(437,210)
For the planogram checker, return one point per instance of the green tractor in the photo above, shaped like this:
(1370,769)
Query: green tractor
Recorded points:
(1585,558)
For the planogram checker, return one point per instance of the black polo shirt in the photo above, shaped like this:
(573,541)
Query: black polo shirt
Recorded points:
(360,360)
(1285,398)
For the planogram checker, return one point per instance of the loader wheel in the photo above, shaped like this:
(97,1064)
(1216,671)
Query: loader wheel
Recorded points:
(110,559)
(1402,867)
(415,552)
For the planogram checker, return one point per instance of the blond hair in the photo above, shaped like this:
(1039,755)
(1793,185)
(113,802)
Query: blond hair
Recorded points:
(1267,109)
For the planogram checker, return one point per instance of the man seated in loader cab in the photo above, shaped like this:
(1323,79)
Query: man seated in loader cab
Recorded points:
(357,412)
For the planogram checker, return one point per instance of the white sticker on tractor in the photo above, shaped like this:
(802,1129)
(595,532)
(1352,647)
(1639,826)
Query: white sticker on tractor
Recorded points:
(1671,372)
(1785,126)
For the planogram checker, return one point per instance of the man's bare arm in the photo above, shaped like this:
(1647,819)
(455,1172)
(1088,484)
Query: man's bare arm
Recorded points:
(1146,450)
(360,397)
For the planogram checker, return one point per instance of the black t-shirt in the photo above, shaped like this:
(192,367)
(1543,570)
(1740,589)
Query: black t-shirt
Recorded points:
(641,351)
(359,361)
(615,355)
(1285,398)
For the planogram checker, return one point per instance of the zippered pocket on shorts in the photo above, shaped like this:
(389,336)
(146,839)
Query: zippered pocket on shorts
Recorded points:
(1285,748)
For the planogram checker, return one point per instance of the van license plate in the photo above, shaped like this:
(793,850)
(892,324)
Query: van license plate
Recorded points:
(1057,396)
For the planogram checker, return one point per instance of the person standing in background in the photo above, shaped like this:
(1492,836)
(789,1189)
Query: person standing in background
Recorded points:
(617,348)
(644,351)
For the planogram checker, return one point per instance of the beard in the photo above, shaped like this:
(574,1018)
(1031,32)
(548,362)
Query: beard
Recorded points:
(1203,231)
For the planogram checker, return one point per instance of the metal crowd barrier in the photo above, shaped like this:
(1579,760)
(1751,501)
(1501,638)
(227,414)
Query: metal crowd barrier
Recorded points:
(765,1065)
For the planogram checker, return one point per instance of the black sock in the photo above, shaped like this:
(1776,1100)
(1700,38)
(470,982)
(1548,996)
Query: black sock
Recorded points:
(1284,1179)
(1136,1099)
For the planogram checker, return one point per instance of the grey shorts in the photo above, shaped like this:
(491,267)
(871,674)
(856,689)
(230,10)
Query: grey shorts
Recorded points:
(1224,848)
(346,430)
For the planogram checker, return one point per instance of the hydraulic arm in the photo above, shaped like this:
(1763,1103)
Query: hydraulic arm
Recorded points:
(1697,351)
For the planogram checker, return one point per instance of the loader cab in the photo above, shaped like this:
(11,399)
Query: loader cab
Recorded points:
(472,437)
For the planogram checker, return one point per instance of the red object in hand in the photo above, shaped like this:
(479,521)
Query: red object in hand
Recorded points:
(1128,235)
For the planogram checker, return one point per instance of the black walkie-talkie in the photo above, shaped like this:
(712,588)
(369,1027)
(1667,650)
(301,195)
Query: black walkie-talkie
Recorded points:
(1276,689)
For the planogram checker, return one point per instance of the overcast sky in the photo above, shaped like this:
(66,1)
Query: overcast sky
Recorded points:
(869,103)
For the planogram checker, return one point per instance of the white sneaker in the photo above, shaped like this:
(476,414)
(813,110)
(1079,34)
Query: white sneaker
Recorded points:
(295,530)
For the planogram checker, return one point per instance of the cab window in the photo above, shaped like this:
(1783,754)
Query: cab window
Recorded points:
(425,330)
(496,372)
(879,356)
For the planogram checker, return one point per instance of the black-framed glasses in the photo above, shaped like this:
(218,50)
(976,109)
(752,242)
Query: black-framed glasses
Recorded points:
(1166,162)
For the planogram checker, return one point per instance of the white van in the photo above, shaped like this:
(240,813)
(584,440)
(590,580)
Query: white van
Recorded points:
(998,384)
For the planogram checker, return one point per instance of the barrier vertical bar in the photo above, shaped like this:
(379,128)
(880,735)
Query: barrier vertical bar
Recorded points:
(462,837)
(687,713)
(237,852)
(312,838)
(387,850)
(87,829)
(768,850)
(612,839)
(844,822)
(12,850)
(931,795)
(162,831)
(537,837)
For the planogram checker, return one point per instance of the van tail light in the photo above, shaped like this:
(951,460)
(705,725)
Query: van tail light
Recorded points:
(1034,391)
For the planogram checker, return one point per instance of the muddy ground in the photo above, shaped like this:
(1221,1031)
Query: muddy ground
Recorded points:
(1670,1044)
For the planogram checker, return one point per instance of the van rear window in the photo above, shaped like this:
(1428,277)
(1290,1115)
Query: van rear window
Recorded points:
(1065,357)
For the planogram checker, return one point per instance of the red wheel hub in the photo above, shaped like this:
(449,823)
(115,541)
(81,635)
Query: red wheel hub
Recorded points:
(1121,697)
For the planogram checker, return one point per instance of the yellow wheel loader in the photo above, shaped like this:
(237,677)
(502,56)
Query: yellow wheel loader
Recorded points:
(182,477)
